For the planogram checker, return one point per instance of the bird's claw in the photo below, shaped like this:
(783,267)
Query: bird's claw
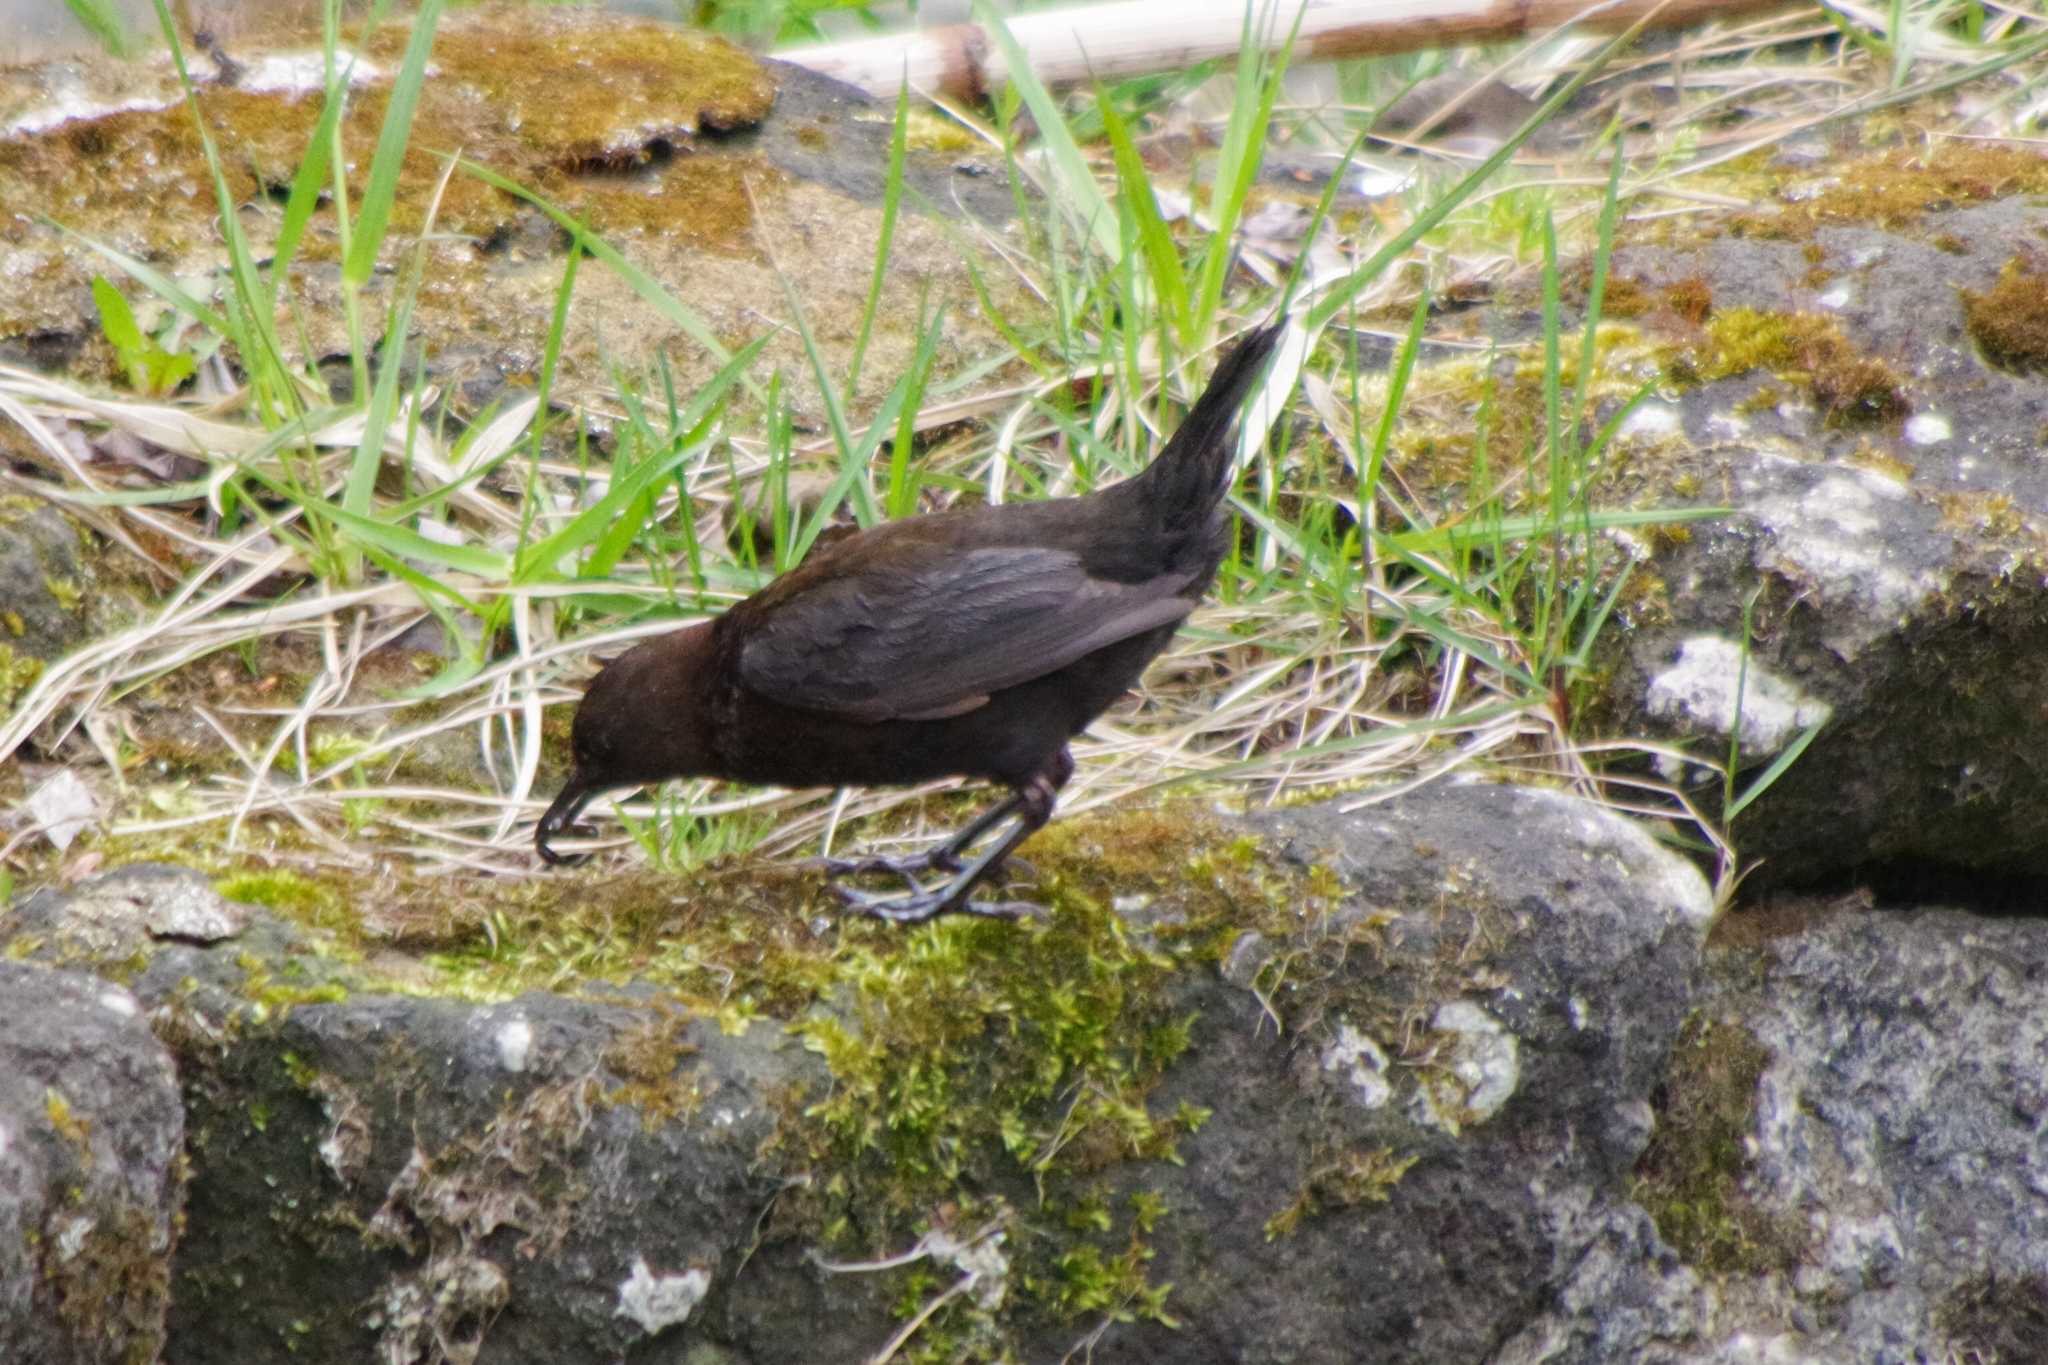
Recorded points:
(918,906)
(545,845)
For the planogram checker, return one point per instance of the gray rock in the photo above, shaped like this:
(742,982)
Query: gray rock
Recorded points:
(43,584)
(1902,556)
(1902,1126)
(1523,960)
(90,1188)
(1473,1005)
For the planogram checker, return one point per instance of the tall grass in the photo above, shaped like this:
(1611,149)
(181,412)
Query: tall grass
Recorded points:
(1364,629)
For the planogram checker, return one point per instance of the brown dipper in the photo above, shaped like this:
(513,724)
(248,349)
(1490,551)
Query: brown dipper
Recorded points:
(970,643)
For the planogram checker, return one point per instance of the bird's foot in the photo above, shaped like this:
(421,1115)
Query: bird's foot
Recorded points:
(548,855)
(916,907)
(907,867)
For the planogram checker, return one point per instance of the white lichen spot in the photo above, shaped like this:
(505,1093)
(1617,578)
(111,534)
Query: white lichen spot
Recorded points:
(659,1302)
(118,1001)
(63,806)
(1654,418)
(193,912)
(1373,181)
(72,104)
(1487,1059)
(332,1154)
(1580,1014)
(1859,538)
(979,1258)
(1837,298)
(1699,688)
(71,1235)
(299,72)
(515,1043)
(1928,429)
(1362,1062)
(1727,426)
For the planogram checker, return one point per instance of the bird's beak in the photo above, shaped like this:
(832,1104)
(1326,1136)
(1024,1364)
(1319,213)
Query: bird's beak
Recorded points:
(575,796)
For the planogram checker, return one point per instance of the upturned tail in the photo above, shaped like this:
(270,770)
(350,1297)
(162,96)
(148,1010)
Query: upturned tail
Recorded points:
(1187,479)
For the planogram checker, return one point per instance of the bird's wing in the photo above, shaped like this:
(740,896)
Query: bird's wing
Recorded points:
(934,630)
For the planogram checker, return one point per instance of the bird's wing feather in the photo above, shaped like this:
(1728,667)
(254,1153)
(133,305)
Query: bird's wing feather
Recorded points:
(934,630)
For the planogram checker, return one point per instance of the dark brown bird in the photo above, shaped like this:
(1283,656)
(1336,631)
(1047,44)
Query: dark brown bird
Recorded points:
(970,643)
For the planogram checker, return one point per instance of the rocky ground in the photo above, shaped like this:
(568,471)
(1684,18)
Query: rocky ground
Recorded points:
(1479,1071)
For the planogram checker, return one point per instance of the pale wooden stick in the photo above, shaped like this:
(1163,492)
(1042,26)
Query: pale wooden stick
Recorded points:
(1138,36)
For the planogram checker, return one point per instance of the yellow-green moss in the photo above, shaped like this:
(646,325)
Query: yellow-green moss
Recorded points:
(1879,461)
(930,131)
(648,1058)
(315,904)
(1849,386)
(274,989)
(2010,319)
(18,673)
(586,90)
(537,96)
(1893,189)
(64,590)
(1346,1180)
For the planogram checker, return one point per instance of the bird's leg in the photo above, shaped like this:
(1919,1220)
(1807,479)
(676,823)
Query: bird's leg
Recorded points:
(1030,807)
(943,857)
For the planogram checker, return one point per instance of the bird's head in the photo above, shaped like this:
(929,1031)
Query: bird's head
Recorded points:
(640,721)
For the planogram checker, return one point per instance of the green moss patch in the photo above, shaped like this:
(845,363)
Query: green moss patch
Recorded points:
(1690,1176)
(1801,348)
(1895,189)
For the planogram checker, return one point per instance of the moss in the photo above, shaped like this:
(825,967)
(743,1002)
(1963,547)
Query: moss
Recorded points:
(1689,1178)
(1344,1181)
(972,1058)
(273,991)
(68,1124)
(1625,298)
(2009,321)
(18,673)
(539,96)
(65,591)
(707,201)
(647,1058)
(1994,1317)
(315,904)
(1692,298)
(1896,188)
(1850,387)
(112,1289)
(1984,514)
(1880,461)
(593,93)
(929,131)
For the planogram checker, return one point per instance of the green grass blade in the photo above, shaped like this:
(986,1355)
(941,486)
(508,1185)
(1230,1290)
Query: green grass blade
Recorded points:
(1075,182)
(892,198)
(1155,240)
(380,188)
(1766,779)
